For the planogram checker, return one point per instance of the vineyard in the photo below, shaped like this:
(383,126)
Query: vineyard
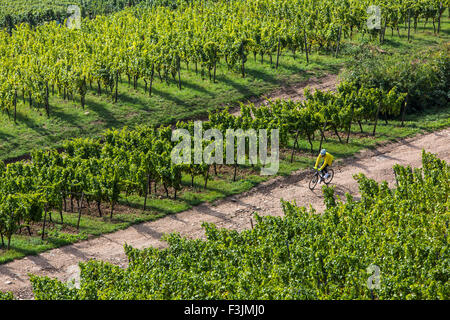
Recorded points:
(162,65)
(80,82)
(302,255)
(56,60)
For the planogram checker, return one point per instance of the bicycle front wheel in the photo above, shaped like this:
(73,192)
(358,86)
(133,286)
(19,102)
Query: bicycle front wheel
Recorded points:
(313,182)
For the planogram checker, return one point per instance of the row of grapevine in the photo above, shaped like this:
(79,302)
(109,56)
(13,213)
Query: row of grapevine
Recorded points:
(394,14)
(143,44)
(35,12)
(303,255)
(38,11)
(131,161)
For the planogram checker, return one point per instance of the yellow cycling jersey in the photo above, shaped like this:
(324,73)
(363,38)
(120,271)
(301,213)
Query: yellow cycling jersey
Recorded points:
(327,160)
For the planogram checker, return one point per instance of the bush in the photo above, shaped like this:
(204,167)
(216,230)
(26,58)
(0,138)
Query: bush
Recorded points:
(6,296)
(425,76)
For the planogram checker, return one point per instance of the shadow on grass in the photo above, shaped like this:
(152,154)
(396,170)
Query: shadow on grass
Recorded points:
(189,197)
(187,83)
(5,136)
(244,89)
(69,118)
(170,97)
(31,124)
(103,113)
(294,69)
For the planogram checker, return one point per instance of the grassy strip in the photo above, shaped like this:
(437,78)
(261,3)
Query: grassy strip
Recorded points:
(220,186)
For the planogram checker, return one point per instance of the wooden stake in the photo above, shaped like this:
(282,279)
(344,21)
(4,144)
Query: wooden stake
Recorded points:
(278,53)
(322,135)
(79,211)
(409,24)
(376,119)
(350,126)
(338,42)
(45,220)
(439,18)
(306,45)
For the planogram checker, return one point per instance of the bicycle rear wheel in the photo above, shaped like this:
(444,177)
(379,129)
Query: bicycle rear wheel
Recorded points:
(331,173)
(313,182)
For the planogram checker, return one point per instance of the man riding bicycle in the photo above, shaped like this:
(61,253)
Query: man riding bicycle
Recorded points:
(327,162)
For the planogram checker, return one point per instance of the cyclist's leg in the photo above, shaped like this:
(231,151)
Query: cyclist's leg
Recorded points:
(325,172)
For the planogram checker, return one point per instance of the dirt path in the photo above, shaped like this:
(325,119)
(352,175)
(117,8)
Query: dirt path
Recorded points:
(295,92)
(233,212)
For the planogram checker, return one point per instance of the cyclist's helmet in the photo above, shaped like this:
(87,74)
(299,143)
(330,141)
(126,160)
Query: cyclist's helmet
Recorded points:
(323,152)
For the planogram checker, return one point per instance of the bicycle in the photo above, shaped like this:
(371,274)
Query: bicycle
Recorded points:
(317,176)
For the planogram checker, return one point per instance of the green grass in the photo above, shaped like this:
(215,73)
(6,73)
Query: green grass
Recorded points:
(168,104)
(220,186)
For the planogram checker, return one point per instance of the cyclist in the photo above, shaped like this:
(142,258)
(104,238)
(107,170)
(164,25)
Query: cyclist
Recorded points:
(327,162)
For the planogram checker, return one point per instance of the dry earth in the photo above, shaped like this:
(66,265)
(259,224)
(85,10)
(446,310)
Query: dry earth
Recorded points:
(295,92)
(233,212)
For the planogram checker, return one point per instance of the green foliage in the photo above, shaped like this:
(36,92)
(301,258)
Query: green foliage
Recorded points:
(6,296)
(328,195)
(53,289)
(423,76)
(18,210)
(83,148)
(36,12)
